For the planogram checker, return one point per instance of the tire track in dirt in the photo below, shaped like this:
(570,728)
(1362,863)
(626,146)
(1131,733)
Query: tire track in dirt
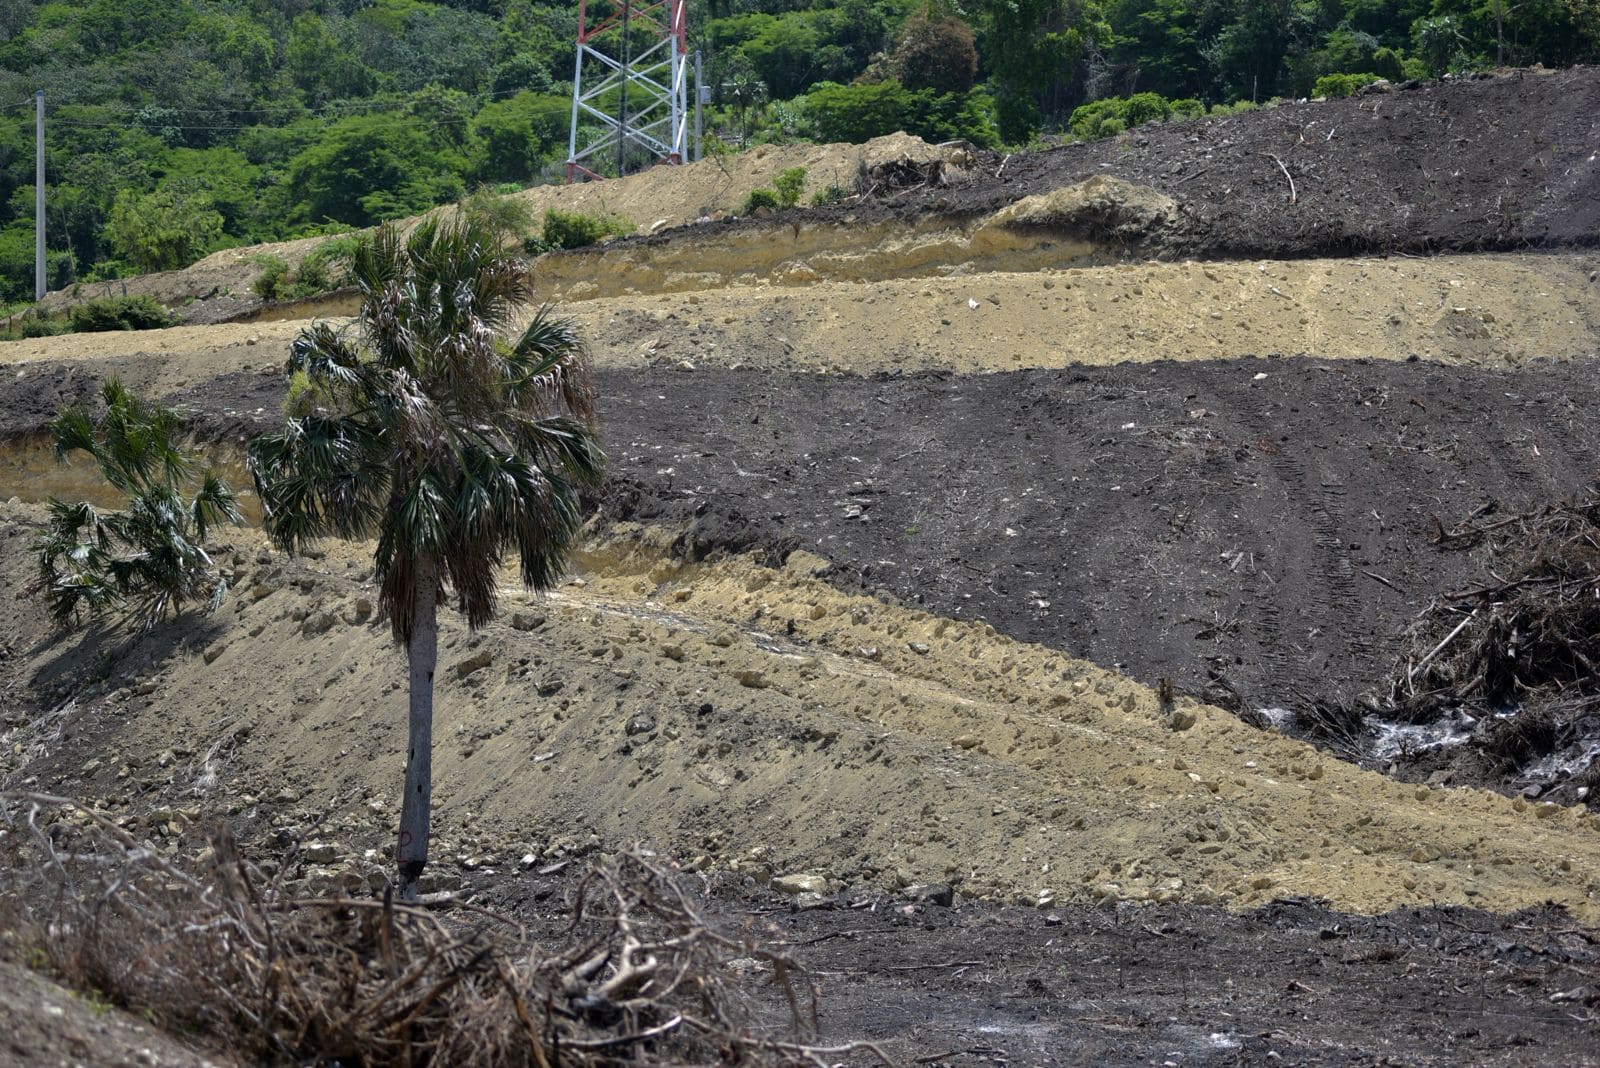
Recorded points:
(1171,520)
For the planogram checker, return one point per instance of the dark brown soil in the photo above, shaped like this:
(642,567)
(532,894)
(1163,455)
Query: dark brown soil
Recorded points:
(1502,162)
(1259,528)
(1265,521)
(1291,983)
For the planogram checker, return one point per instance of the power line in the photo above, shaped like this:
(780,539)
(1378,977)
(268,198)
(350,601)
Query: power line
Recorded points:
(414,122)
(309,113)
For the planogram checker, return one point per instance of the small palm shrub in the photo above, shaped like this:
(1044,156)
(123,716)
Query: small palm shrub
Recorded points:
(148,559)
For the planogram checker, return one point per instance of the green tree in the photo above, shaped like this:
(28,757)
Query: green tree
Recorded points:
(1036,50)
(519,133)
(164,230)
(1157,46)
(1247,55)
(856,113)
(367,168)
(938,54)
(149,558)
(450,445)
(322,66)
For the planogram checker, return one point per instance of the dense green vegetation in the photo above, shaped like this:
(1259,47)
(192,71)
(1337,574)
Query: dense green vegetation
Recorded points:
(177,127)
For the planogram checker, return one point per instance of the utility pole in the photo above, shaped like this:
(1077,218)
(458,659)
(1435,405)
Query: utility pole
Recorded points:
(699,98)
(38,195)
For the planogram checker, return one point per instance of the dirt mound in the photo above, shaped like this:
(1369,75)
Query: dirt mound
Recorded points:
(1101,208)
(759,721)
(1488,162)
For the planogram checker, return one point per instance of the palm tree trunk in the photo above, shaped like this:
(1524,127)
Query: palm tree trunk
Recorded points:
(422,653)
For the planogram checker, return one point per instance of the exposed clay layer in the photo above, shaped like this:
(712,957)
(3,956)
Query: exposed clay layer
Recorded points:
(763,721)
(1480,311)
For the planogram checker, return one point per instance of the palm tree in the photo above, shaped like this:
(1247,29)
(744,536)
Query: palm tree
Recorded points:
(450,444)
(150,558)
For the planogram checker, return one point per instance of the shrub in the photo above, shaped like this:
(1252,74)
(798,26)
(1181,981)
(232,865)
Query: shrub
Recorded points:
(42,326)
(120,313)
(833,194)
(505,216)
(270,282)
(758,199)
(857,113)
(1087,121)
(1110,128)
(573,229)
(1144,107)
(1337,85)
(1187,108)
(324,269)
(789,186)
(1387,63)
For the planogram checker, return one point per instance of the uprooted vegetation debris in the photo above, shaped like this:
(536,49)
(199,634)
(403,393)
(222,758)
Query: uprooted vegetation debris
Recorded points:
(1515,660)
(205,942)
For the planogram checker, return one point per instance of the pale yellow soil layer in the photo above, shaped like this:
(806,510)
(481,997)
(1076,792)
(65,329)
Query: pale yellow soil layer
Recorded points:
(651,200)
(760,720)
(1493,311)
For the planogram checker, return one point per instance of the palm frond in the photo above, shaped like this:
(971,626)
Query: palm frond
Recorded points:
(148,558)
(455,447)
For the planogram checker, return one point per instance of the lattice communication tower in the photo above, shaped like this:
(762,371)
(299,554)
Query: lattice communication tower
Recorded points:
(630,89)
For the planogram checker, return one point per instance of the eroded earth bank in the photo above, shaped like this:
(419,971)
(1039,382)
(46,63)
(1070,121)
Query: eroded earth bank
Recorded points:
(914,505)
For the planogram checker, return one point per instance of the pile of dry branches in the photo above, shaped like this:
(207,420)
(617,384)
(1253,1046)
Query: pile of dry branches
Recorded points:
(896,175)
(1525,641)
(213,947)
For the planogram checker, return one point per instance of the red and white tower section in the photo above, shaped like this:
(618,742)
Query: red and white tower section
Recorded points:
(630,88)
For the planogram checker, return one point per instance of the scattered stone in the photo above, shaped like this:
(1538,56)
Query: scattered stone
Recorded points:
(317,623)
(807,902)
(800,884)
(320,852)
(968,741)
(941,894)
(438,882)
(755,680)
(359,613)
(920,648)
(476,662)
(640,724)
(527,621)
(1052,920)
(213,651)
(1181,719)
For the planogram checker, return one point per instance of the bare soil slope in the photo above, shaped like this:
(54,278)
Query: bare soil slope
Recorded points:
(1503,161)
(760,721)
